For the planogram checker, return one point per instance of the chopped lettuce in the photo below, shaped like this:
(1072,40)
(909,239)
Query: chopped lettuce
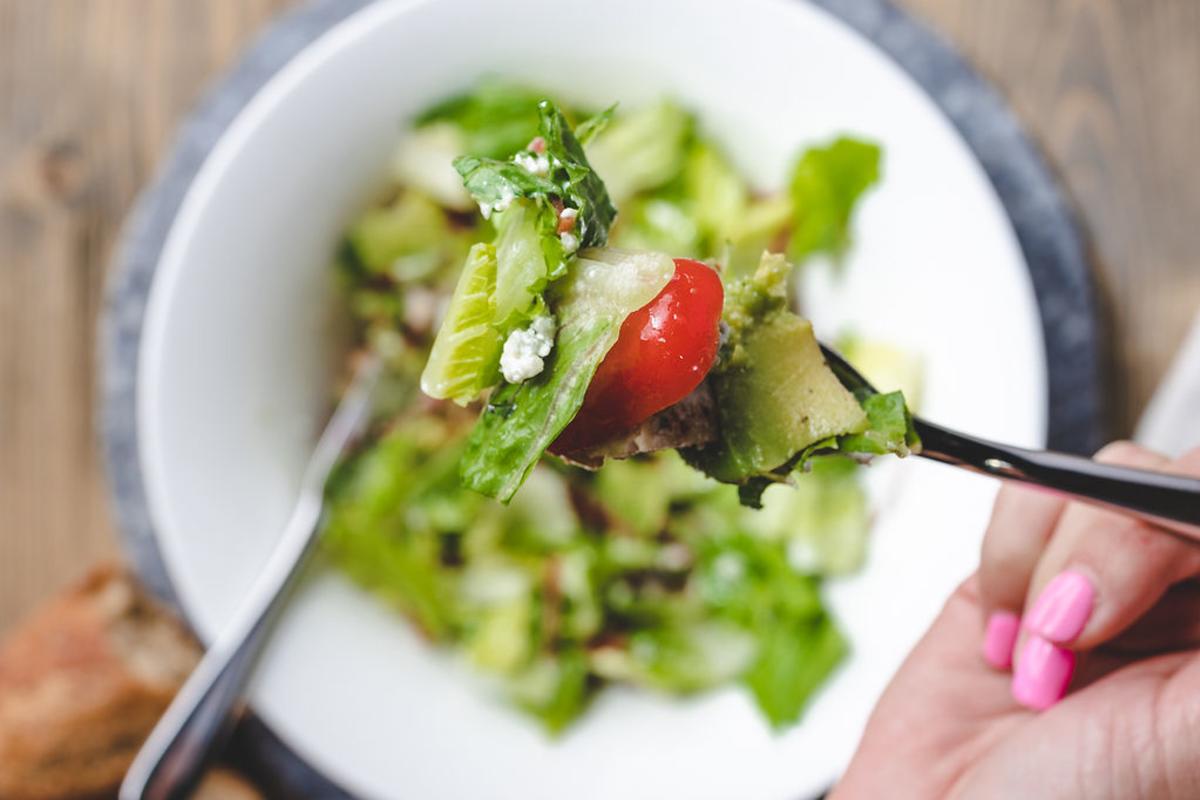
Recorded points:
(494,120)
(647,572)
(404,240)
(524,197)
(423,159)
(594,125)
(795,658)
(717,194)
(825,187)
(641,150)
(601,288)
(555,690)
(889,427)
(523,271)
(466,355)
(822,519)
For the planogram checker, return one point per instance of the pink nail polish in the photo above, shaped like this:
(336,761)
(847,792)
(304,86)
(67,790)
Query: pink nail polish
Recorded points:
(1042,674)
(1062,609)
(999,638)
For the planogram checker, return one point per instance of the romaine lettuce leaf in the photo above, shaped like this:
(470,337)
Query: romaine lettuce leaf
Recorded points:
(825,186)
(642,150)
(889,427)
(496,119)
(795,657)
(466,354)
(717,194)
(822,519)
(555,690)
(601,289)
(523,269)
(391,240)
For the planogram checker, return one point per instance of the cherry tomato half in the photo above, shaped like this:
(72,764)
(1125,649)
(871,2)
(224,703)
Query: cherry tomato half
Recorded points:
(664,350)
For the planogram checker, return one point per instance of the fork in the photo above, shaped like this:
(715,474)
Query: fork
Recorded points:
(174,756)
(1171,501)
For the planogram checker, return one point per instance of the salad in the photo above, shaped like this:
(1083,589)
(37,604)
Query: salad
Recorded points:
(608,449)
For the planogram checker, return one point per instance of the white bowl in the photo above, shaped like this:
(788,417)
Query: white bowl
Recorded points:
(236,351)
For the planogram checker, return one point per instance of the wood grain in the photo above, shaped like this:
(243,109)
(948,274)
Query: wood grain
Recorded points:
(91,92)
(1109,89)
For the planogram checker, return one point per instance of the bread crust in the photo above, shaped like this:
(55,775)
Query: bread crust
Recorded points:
(82,682)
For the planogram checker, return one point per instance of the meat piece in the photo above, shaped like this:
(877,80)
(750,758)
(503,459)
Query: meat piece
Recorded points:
(689,423)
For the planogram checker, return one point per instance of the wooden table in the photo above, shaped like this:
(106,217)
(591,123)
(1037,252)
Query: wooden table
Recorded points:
(90,94)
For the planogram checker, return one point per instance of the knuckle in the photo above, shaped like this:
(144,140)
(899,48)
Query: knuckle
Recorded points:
(1188,463)
(1124,451)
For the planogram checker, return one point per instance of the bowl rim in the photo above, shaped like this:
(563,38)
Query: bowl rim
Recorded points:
(1044,224)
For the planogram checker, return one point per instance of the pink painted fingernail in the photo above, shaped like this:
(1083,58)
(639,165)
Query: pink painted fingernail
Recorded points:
(1062,609)
(1042,674)
(999,638)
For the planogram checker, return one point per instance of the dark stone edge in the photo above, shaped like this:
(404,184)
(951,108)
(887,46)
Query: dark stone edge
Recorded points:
(1044,225)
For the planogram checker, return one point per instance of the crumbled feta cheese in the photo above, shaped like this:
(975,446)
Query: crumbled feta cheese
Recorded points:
(506,198)
(570,242)
(568,214)
(525,350)
(532,162)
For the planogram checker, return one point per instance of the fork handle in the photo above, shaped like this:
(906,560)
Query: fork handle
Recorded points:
(1172,501)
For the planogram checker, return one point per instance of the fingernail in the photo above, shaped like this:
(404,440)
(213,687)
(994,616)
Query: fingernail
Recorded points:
(1042,674)
(999,638)
(1062,609)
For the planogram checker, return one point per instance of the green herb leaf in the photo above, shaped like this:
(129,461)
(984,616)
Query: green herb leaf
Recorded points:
(568,177)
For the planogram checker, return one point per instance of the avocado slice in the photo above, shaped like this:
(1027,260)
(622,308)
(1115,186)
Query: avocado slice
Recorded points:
(778,401)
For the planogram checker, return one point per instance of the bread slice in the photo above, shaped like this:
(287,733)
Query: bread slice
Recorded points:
(82,682)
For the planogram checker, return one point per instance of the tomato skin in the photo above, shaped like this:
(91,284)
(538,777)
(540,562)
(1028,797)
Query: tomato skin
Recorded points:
(664,350)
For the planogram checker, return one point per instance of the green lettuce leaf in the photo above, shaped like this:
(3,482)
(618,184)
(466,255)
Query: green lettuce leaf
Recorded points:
(889,427)
(825,186)
(555,690)
(795,657)
(601,289)
(523,266)
(466,354)
(642,150)
(495,119)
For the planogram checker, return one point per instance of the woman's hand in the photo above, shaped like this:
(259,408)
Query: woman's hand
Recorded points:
(1068,667)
